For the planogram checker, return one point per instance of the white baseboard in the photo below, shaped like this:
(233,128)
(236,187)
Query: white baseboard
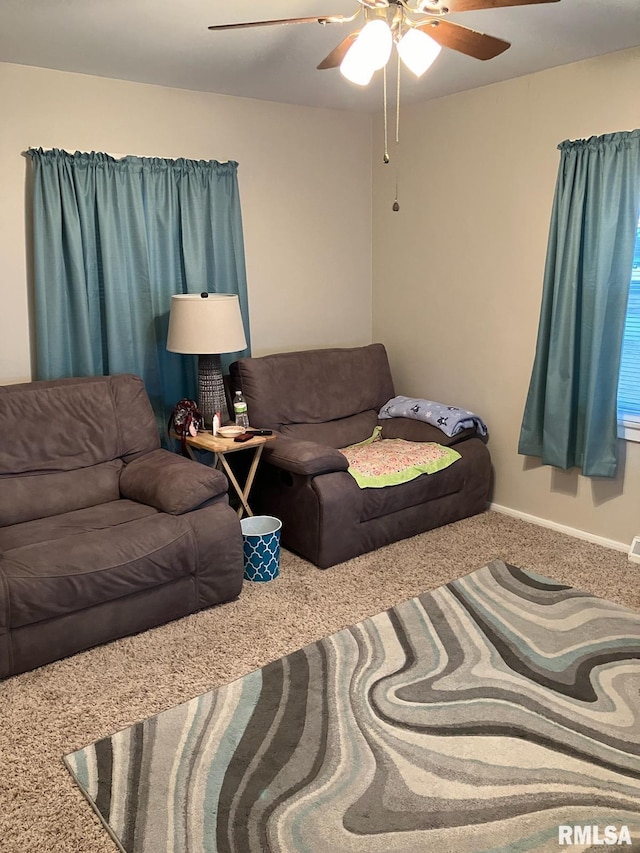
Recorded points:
(561,528)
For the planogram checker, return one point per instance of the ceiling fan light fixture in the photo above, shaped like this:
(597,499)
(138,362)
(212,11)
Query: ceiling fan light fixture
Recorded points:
(369,52)
(418,51)
(356,73)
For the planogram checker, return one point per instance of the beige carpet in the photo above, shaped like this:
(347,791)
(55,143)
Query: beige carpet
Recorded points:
(66,705)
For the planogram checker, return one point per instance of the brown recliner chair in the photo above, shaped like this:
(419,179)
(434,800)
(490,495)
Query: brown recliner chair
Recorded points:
(321,400)
(102,533)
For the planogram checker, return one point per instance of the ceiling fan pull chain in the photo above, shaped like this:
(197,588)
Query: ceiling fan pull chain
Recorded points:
(385,158)
(398,104)
(396,206)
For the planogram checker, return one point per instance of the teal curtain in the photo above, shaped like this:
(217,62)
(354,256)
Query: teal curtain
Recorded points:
(570,413)
(113,241)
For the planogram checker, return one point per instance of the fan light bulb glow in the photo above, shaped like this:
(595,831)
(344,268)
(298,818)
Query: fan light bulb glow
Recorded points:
(418,51)
(369,52)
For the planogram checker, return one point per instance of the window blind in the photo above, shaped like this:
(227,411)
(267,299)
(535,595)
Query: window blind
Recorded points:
(629,379)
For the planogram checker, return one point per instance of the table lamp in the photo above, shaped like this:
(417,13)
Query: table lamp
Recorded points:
(207,324)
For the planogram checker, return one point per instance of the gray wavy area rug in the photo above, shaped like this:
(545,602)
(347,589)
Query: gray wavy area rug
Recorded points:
(482,716)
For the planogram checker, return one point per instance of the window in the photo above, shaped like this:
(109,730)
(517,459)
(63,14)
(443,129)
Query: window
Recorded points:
(629,379)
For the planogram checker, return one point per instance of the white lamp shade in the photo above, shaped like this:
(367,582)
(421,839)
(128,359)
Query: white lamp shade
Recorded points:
(418,51)
(205,325)
(369,52)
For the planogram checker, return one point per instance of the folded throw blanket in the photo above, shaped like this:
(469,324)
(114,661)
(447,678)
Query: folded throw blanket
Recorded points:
(375,462)
(450,419)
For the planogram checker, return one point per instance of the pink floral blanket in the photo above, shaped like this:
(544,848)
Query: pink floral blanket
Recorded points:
(378,462)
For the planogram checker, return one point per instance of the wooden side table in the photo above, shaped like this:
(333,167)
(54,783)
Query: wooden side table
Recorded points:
(221,447)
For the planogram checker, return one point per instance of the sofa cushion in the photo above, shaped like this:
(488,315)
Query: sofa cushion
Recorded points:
(74,423)
(61,440)
(314,386)
(412,430)
(170,482)
(81,559)
(336,433)
(71,523)
(427,487)
(30,496)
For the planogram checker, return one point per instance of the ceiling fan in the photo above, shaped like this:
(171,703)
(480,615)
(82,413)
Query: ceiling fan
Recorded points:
(419,31)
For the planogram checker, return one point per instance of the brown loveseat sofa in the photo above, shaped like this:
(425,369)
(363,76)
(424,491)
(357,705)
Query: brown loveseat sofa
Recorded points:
(321,400)
(102,533)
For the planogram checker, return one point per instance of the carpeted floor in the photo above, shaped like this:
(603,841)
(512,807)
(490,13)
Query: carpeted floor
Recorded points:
(66,705)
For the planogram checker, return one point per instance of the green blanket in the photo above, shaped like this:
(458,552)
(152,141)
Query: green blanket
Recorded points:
(377,462)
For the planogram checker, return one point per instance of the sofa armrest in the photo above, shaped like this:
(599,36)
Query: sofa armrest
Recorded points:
(304,457)
(170,482)
(413,430)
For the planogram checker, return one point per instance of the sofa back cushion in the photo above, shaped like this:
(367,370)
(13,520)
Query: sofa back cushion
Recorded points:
(64,442)
(31,496)
(338,433)
(328,395)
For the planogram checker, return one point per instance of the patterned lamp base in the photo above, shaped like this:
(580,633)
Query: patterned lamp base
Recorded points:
(211,394)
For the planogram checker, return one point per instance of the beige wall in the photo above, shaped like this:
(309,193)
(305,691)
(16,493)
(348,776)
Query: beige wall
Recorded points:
(305,187)
(458,270)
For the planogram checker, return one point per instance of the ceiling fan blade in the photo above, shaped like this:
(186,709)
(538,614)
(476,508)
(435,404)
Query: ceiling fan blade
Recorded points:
(473,5)
(327,19)
(338,53)
(464,40)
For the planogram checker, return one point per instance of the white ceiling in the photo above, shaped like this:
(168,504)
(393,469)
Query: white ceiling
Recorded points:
(167,43)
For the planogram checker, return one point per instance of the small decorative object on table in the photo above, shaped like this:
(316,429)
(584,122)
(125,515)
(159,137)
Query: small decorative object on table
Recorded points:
(186,420)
